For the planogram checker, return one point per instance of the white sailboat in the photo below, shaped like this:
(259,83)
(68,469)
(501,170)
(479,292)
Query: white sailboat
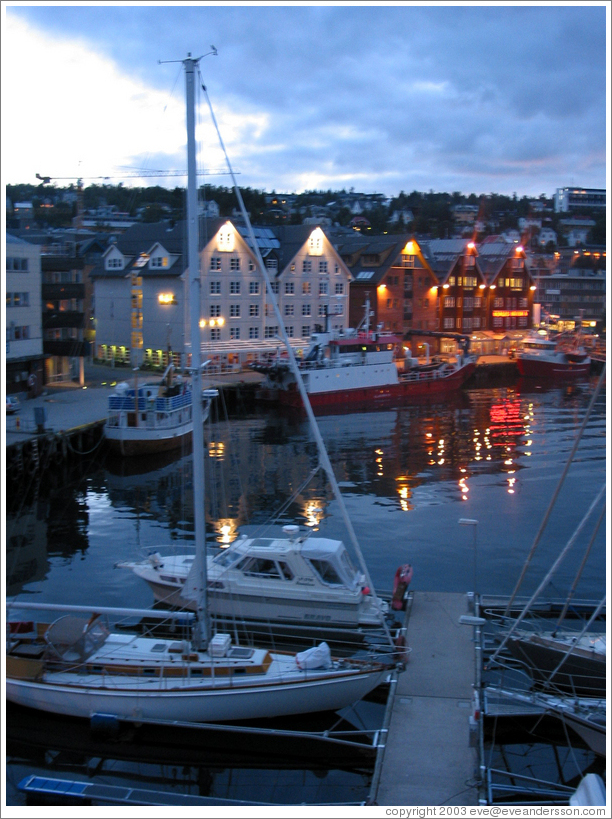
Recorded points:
(76,665)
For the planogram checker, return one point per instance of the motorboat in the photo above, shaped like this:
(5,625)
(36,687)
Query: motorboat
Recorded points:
(291,579)
(153,416)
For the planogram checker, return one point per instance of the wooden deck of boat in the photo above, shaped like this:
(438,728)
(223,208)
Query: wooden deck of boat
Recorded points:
(429,758)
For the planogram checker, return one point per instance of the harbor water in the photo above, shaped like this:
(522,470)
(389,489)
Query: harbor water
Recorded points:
(457,489)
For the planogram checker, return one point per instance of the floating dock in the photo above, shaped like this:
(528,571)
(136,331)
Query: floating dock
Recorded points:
(430,755)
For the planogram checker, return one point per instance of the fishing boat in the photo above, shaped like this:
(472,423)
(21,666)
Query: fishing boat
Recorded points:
(542,357)
(294,579)
(78,665)
(153,416)
(362,368)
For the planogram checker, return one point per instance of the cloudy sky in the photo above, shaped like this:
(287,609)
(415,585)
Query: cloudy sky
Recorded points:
(380,98)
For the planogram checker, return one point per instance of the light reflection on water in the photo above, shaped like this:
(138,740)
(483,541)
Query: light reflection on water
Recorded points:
(406,475)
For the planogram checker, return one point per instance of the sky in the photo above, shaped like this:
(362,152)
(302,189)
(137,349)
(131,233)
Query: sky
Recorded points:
(380,98)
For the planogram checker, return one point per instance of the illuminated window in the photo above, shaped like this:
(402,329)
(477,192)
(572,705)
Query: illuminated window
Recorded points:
(158,262)
(315,242)
(306,288)
(225,239)
(215,263)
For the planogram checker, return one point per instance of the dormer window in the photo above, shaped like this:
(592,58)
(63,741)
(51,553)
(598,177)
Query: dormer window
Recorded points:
(225,239)
(158,262)
(114,263)
(315,242)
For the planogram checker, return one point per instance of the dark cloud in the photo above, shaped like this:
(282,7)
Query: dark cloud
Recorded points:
(473,98)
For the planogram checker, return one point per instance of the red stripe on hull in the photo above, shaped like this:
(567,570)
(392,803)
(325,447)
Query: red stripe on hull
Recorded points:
(379,396)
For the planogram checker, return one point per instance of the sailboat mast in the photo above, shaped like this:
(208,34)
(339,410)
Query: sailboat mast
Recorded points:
(196,385)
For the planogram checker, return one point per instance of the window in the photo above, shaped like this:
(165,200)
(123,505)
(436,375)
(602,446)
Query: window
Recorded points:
(234,288)
(477,301)
(20,265)
(259,567)
(305,330)
(289,288)
(518,264)
(407,261)
(234,332)
(253,310)
(523,304)
(469,281)
(306,310)
(253,332)
(306,288)
(215,334)
(449,301)
(322,266)
(498,303)
(114,264)
(289,309)
(323,288)
(338,309)
(307,266)
(253,288)
(289,330)
(215,288)
(271,331)
(449,323)
(235,263)
(498,321)
(468,303)
(476,322)
(326,572)
(158,262)
(215,310)
(322,310)
(234,311)
(470,261)
(251,265)
(274,287)
(339,289)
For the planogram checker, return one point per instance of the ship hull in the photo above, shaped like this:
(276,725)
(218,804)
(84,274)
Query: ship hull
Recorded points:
(405,390)
(538,368)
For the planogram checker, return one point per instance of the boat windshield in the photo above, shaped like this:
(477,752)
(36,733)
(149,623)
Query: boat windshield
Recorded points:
(225,558)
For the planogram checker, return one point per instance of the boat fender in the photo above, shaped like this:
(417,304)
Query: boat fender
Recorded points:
(401,581)
(104,724)
(402,651)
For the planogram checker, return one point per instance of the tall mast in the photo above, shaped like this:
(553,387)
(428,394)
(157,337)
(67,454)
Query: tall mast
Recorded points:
(199,496)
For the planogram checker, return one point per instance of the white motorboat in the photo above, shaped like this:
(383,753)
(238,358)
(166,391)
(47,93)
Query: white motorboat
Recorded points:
(292,579)
(79,666)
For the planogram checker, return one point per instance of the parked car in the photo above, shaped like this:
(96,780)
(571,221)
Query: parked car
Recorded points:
(12,404)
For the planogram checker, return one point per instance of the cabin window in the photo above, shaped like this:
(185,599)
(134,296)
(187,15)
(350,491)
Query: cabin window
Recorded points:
(159,647)
(326,572)
(259,567)
(285,570)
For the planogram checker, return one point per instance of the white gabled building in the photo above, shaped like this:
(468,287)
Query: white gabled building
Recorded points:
(141,301)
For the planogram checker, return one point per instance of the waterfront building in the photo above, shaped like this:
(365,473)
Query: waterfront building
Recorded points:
(24,341)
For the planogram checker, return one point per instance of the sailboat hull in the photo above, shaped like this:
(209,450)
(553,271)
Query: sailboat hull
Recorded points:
(582,673)
(219,703)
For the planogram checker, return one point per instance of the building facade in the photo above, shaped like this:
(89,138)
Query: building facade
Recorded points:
(24,341)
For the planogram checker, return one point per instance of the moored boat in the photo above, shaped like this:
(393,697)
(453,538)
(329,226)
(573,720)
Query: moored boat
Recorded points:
(152,417)
(362,369)
(290,580)
(540,357)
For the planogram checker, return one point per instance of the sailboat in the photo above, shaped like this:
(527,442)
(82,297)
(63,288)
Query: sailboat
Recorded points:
(77,665)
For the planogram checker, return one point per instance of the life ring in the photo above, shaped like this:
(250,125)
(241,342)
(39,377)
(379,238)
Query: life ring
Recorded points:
(401,581)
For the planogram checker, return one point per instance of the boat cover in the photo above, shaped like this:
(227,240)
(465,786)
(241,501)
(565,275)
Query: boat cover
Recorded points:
(333,551)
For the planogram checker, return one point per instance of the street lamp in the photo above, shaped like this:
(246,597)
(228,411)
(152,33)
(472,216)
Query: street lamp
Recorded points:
(474,523)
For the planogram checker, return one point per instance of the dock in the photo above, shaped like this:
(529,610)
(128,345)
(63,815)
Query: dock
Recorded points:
(430,755)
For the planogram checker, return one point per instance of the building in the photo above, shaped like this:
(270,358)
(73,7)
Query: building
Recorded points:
(24,340)
(510,287)
(575,291)
(568,200)
(142,304)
